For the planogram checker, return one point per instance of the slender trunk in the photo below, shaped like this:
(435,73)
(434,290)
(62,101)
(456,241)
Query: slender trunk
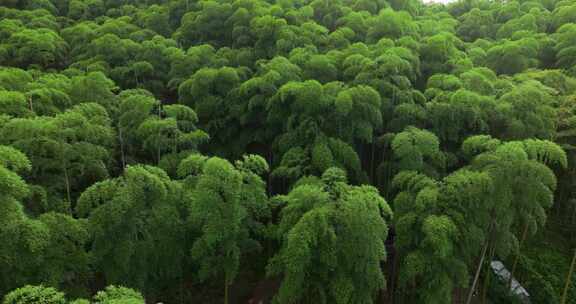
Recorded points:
(573,214)
(372,173)
(226,290)
(175,144)
(515,263)
(122,153)
(159,130)
(269,177)
(67,182)
(477,275)
(479,268)
(393,278)
(488,275)
(31,104)
(569,279)
(181,285)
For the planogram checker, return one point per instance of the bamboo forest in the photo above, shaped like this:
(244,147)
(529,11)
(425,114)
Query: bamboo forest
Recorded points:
(288,151)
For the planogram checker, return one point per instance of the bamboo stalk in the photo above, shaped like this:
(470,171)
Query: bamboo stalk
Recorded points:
(477,275)
(488,275)
(569,279)
(226,290)
(479,268)
(524,233)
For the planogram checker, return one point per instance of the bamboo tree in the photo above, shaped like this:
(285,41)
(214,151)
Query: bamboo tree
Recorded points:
(146,203)
(226,204)
(332,237)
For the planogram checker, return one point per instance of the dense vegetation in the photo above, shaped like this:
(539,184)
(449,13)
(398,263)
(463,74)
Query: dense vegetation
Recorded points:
(309,151)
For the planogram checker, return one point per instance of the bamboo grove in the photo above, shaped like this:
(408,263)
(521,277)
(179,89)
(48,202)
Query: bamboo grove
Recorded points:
(286,151)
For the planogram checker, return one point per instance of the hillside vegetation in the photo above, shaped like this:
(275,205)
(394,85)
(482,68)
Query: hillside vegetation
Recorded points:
(294,151)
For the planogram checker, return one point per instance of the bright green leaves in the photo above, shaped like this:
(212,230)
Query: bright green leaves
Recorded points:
(523,183)
(40,294)
(118,294)
(344,103)
(565,46)
(476,24)
(66,257)
(391,24)
(93,87)
(41,47)
(430,226)
(563,14)
(217,207)
(361,106)
(445,222)
(458,102)
(525,23)
(546,152)
(23,97)
(175,133)
(456,115)
(14,79)
(40,250)
(311,234)
(46,101)
(528,111)
(323,153)
(14,104)
(227,204)
(132,219)
(35,295)
(303,97)
(68,152)
(322,157)
(478,144)
(511,57)
(478,102)
(315,135)
(412,146)
(438,52)
(113,49)
(148,130)
(14,160)
(332,237)
(439,233)
(134,109)
(11,184)
(209,92)
(253,195)
(206,24)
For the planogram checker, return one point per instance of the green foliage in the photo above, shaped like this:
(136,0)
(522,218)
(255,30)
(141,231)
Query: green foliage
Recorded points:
(217,206)
(412,146)
(332,237)
(68,151)
(131,219)
(227,203)
(566,56)
(40,294)
(175,145)
(431,224)
(35,295)
(25,239)
(513,166)
(42,46)
(118,294)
